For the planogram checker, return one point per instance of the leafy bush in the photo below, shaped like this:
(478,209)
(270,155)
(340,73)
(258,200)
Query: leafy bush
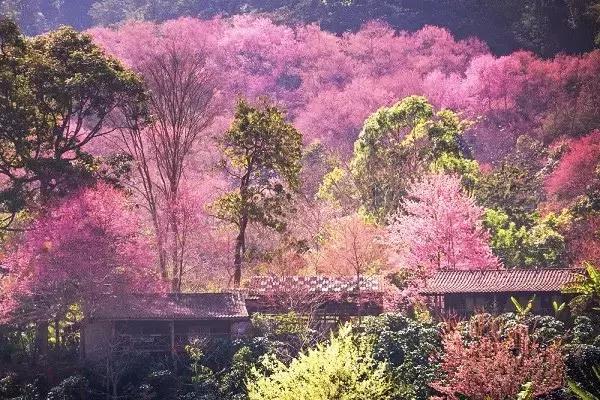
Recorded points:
(291,328)
(544,329)
(73,388)
(232,384)
(579,359)
(343,369)
(160,385)
(410,348)
(219,369)
(9,387)
(583,330)
(586,289)
(584,394)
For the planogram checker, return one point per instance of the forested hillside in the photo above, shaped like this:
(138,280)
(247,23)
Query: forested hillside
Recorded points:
(544,27)
(373,113)
(166,166)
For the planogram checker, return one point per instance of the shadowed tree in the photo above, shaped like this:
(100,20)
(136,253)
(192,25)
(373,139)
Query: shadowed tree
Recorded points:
(59,91)
(182,103)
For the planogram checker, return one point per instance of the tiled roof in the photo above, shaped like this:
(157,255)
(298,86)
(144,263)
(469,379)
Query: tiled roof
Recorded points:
(313,284)
(494,281)
(189,306)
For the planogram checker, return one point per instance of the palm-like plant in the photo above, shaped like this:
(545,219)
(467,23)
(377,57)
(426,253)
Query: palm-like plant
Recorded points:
(582,393)
(586,288)
(522,310)
(558,308)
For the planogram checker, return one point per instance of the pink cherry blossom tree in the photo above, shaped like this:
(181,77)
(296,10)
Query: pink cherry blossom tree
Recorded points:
(88,246)
(438,227)
(351,247)
(326,81)
(329,84)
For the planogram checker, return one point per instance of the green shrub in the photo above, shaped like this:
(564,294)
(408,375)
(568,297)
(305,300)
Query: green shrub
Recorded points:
(343,369)
(583,330)
(410,348)
(579,359)
(9,387)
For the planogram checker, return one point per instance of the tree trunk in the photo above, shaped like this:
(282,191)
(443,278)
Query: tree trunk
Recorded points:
(160,242)
(41,326)
(41,339)
(175,276)
(57,333)
(240,246)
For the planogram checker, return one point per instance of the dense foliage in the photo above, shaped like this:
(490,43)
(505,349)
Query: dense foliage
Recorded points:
(344,369)
(386,357)
(159,153)
(83,248)
(411,348)
(407,135)
(485,361)
(515,116)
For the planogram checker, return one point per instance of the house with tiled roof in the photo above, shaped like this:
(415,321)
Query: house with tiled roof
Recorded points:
(467,292)
(165,323)
(325,296)
(160,323)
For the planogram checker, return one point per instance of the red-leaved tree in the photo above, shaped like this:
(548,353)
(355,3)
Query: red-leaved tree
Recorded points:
(489,365)
(576,170)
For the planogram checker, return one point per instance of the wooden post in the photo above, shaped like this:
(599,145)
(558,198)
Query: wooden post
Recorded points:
(172,326)
(495,304)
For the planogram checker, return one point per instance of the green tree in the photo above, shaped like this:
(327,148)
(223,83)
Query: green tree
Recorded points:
(401,142)
(344,369)
(515,187)
(58,93)
(541,245)
(106,12)
(262,154)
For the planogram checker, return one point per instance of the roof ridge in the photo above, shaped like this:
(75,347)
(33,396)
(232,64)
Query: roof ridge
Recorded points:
(509,270)
(499,280)
(318,276)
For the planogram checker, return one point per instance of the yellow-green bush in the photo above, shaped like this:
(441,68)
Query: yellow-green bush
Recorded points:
(343,369)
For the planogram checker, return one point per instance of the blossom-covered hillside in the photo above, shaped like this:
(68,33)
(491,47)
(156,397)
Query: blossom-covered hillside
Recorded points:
(255,201)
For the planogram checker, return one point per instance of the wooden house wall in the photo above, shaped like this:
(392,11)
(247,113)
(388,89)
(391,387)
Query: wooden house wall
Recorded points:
(337,308)
(497,303)
(152,336)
